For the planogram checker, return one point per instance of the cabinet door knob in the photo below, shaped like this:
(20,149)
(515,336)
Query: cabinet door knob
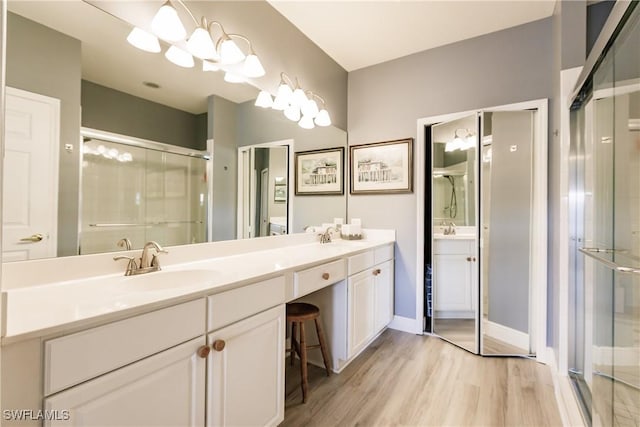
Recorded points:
(325,276)
(218,345)
(469,258)
(473,259)
(203,351)
(377,271)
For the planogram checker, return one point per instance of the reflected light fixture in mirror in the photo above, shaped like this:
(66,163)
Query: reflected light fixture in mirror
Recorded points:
(144,41)
(463,139)
(179,57)
(298,105)
(166,25)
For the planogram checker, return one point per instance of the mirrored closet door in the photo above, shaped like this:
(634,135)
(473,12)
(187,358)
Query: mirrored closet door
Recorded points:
(485,212)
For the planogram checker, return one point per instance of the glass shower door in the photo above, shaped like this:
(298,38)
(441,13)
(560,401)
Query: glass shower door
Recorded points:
(606,324)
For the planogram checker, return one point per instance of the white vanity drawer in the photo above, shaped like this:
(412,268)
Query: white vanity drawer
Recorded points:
(237,304)
(312,279)
(360,262)
(452,247)
(78,357)
(383,253)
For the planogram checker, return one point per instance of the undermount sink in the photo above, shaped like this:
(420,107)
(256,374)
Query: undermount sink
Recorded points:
(162,280)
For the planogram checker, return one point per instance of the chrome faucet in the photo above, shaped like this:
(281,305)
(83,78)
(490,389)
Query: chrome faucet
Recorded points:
(124,243)
(152,263)
(451,229)
(326,236)
(147,262)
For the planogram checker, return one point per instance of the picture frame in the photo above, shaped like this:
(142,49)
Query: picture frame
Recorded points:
(382,167)
(319,172)
(280,193)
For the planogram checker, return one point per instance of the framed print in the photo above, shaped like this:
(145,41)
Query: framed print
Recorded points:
(382,167)
(280,193)
(319,172)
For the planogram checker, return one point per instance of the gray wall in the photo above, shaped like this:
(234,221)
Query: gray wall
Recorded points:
(510,219)
(44,61)
(257,125)
(385,101)
(110,110)
(223,130)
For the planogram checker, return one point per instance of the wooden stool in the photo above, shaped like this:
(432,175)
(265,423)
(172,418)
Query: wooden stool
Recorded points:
(297,314)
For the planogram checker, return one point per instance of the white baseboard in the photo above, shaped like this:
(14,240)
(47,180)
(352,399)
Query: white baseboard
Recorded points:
(405,324)
(568,406)
(506,334)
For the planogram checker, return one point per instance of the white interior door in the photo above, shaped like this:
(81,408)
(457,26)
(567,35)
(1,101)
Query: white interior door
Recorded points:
(30,196)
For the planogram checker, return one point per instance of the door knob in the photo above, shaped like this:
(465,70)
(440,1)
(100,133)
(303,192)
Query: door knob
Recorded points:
(203,351)
(33,238)
(218,345)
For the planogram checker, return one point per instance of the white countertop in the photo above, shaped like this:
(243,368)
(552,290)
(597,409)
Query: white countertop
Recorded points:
(50,308)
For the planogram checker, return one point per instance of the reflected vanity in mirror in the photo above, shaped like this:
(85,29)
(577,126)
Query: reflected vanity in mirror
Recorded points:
(484,255)
(181,188)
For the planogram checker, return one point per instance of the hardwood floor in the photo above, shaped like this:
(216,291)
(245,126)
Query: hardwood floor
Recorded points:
(412,380)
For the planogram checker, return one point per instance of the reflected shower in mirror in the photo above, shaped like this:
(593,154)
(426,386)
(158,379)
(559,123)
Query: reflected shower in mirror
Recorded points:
(96,79)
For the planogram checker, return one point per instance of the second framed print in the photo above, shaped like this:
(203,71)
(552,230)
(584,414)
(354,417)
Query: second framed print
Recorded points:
(382,167)
(319,172)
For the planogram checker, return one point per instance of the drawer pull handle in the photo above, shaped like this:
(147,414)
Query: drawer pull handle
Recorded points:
(218,345)
(377,271)
(325,276)
(203,351)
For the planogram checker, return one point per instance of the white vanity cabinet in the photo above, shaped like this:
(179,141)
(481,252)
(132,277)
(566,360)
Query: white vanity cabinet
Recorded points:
(165,389)
(143,371)
(453,272)
(245,373)
(369,295)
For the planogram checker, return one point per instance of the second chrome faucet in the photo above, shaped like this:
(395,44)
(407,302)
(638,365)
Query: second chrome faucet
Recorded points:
(147,262)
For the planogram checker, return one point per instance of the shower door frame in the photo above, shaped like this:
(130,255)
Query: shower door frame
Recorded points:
(539,216)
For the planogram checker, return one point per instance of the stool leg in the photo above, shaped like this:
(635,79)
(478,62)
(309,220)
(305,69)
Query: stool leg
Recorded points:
(293,342)
(323,346)
(303,363)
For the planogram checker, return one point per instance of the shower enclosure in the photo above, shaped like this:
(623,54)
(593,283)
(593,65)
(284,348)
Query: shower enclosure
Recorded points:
(141,191)
(604,348)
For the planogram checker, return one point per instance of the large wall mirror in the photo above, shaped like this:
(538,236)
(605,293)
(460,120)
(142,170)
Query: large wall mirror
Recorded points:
(135,146)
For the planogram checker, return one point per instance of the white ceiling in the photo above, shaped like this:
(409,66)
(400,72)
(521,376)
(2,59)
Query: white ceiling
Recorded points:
(358,33)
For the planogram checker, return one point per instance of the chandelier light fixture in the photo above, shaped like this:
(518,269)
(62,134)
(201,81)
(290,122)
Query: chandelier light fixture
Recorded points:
(167,25)
(297,104)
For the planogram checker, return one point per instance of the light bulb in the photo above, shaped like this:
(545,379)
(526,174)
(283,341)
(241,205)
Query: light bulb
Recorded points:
(310,108)
(143,40)
(322,119)
(264,99)
(230,53)
(283,97)
(209,66)
(299,98)
(252,67)
(201,45)
(306,122)
(234,78)
(179,57)
(167,25)
(292,113)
